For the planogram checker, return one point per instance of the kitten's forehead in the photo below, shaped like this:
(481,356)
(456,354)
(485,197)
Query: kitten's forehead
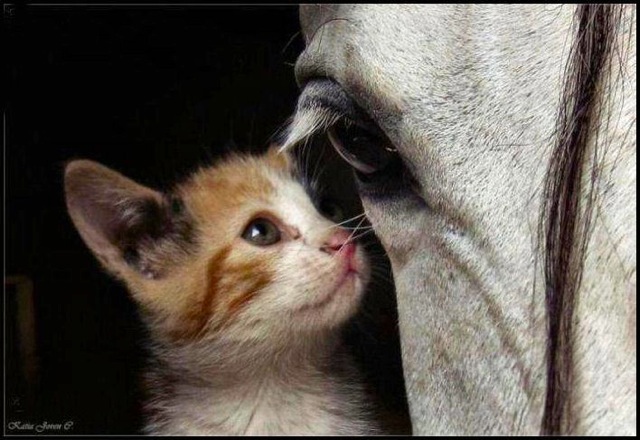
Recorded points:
(293,203)
(238,182)
(228,194)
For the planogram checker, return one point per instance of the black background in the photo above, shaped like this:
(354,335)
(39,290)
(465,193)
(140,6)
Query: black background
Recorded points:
(151,92)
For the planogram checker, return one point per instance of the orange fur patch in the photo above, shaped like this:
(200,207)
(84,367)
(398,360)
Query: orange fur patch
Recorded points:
(199,310)
(223,274)
(229,288)
(214,192)
(253,278)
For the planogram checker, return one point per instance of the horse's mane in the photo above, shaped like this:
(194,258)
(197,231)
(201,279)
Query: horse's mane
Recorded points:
(566,217)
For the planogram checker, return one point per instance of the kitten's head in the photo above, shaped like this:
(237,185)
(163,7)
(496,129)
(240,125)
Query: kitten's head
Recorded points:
(237,251)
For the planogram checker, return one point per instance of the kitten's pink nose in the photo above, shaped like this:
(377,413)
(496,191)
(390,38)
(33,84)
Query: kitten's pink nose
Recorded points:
(339,242)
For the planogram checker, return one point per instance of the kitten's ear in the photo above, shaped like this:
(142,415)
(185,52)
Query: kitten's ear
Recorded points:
(112,213)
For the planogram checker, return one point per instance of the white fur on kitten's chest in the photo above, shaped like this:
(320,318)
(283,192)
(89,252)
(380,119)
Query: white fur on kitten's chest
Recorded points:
(306,403)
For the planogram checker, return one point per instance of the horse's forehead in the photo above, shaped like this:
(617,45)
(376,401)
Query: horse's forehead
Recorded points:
(341,33)
(375,51)
(396,51)
(313,17)
(430,70)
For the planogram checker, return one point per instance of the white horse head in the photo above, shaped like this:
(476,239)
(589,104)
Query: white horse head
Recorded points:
(494,149)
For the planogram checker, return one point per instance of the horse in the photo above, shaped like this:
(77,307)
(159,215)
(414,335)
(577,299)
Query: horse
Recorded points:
(493,147)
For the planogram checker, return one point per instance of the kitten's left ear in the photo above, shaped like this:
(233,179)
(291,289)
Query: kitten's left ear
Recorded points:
(116,217)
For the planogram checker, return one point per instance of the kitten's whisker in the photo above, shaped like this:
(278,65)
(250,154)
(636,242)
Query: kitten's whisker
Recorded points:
(335,225)
(319,168)
(361,228)
(360,235)
(350,238)
(350,219)
(307,159)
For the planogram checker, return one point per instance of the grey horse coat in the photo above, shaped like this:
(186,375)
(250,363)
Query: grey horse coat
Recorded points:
(464,101)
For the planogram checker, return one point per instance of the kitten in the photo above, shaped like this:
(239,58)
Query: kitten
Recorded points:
(244,287)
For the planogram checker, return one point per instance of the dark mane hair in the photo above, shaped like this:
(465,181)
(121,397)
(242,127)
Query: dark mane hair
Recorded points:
(566,217)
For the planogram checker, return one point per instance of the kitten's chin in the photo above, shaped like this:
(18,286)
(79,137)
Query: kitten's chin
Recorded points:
(340,304)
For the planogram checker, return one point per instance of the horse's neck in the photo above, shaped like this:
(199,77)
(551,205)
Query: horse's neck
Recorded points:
(604,366)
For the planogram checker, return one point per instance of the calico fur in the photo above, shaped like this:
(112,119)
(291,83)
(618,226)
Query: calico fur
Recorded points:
(245,339)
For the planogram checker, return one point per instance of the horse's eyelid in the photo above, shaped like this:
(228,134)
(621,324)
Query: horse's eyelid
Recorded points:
(351,121)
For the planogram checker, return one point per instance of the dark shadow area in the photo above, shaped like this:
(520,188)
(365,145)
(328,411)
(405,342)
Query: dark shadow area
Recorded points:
(151,92)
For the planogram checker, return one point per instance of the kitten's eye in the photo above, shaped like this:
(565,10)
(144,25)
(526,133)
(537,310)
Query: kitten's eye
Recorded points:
(331,210)
(363,149)
(261,232)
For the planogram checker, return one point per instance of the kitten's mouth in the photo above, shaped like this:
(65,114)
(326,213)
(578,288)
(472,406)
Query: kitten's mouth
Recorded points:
(352,268)
(350,274)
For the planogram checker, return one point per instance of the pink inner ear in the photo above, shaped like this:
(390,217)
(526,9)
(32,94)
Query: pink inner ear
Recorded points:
(99,214)
(100,204)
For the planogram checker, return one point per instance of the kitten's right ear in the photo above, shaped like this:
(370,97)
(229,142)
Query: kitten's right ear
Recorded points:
(110,211)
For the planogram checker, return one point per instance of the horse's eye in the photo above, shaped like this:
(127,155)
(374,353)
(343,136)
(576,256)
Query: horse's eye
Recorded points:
(331,210)
(261,232)
(364,150)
